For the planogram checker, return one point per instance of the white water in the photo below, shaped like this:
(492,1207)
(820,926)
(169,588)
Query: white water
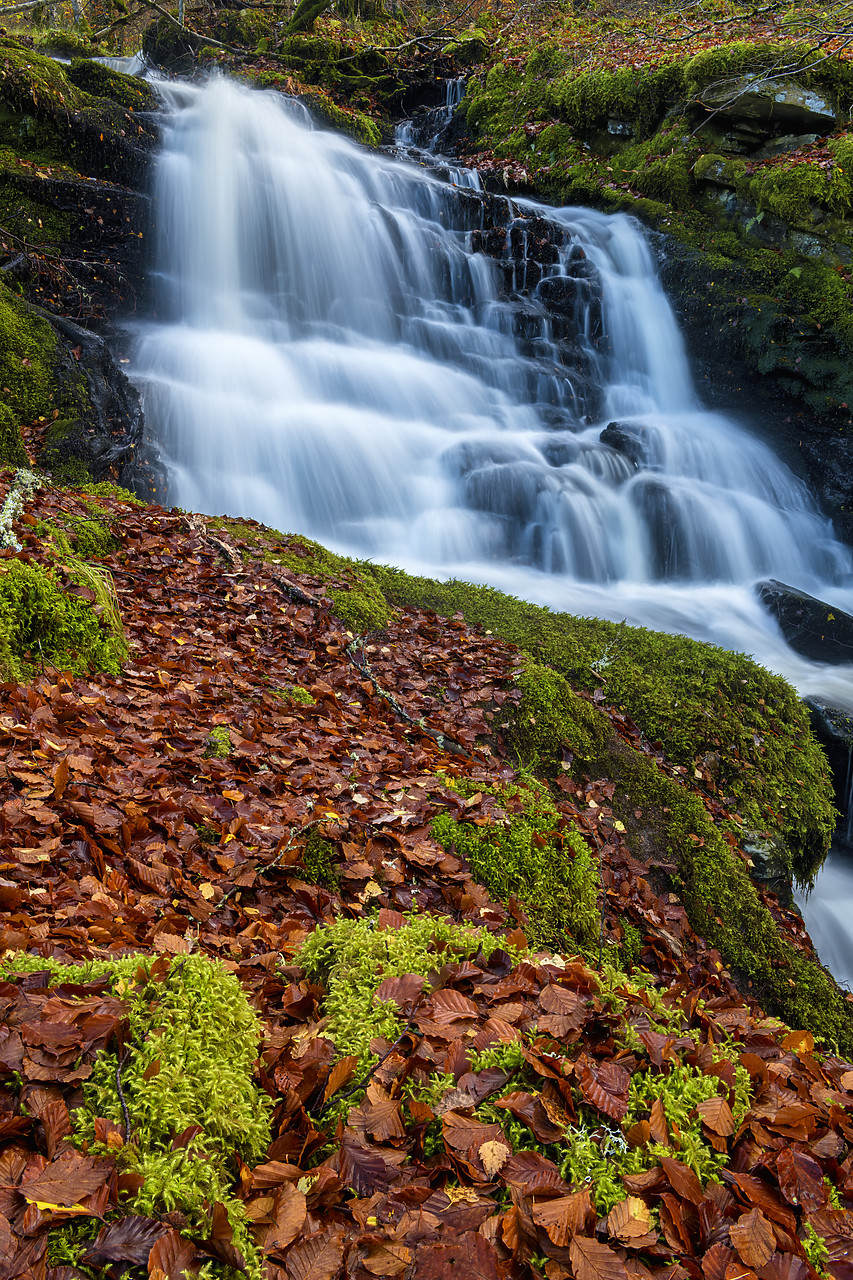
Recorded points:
(330,357)
(828,913)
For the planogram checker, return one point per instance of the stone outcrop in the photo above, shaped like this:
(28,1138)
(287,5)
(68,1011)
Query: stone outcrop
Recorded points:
(812,627)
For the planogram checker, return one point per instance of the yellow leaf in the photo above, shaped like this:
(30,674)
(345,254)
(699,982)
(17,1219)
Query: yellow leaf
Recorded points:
(618,826)
(207,891)
(494,1156)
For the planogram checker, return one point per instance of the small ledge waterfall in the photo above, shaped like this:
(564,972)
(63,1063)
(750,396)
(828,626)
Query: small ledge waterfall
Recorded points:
(350,347)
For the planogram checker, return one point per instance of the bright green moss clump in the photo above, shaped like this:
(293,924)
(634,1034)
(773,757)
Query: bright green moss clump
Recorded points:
(41,624)
(193,1042)
(353,957)
(530,852)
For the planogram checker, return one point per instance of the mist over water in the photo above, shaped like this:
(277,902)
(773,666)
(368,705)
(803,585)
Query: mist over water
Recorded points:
(330,357)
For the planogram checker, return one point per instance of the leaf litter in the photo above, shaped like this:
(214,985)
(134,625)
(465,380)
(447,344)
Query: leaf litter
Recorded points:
(121,830)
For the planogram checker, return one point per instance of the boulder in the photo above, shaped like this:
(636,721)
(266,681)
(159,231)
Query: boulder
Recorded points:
(783,105)
(812,627)
(833,728)
(626,438)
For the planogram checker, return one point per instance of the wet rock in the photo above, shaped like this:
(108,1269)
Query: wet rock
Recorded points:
(812,627)
(770,864)
(106,437)
(764,102)
(627,438)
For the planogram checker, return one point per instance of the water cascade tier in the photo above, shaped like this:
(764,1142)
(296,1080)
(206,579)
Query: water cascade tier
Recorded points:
(361,350)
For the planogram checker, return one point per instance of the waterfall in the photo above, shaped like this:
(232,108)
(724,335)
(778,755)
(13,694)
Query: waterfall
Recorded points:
(335,354)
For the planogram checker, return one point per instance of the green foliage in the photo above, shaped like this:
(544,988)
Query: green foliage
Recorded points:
(631,947)
(27,353)
(816,1250)
(40,623)
(219,745)
(353,957)
(102,82)
(599,1157)
(195,1023)
(698,700)
(531,853)
(295,693)
(319,862)
(67,1244)
(105,489)
(92,539)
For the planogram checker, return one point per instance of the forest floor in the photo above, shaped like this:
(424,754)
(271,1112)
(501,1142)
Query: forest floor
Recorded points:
(246,780)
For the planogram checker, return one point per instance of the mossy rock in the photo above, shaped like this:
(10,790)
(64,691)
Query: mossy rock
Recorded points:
(166,46)
(103,82)
(27,362)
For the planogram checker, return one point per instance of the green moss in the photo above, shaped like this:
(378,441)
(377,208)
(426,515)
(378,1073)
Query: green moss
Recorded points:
(721,900)
(27,354)
(346,119)
(68,44)
(102,82)
(219,745)
(42,624)
(602,1160)
(353,957)
(31,220)
(319,862)
(295,693)
(104,489)
(192,1044)
(530,852)
(698,700)
(91,539)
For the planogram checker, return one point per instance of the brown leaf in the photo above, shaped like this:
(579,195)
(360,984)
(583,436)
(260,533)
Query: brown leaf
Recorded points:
(753,1238)
(629,1222)
(532,1174)
(682,1180)
(171,1255)
(468,1257)
(716,1261)
(342,1072)
(317,1258)
(128,1240)
(565,1217)
(361,1168)
(606,1087)
(717,1115)
(801,1179)
(657,1123)
(594,1261)
(68,1180)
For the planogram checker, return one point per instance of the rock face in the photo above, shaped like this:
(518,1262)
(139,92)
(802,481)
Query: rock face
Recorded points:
(811,627)
(782,105)
(75,148)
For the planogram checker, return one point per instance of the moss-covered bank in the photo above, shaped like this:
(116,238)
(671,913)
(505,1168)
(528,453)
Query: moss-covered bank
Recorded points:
(768,206)
(718,715)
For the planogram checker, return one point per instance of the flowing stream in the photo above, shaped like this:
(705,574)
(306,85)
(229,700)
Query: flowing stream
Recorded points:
(332,356)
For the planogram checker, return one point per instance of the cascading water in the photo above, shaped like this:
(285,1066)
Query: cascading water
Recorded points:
(334,355)
(331,355)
